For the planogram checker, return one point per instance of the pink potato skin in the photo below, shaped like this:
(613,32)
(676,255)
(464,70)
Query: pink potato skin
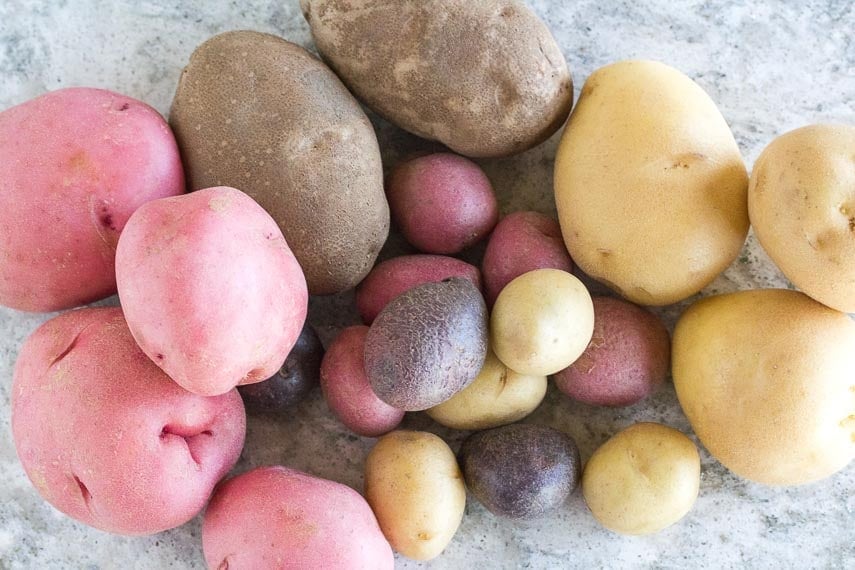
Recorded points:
(347,390)
(628,358)
(211,291)
(106,437)
(442,202)
(400,274)
(278,518)
(74,165)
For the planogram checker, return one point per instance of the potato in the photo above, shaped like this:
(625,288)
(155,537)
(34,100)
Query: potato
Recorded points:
(657,209)
(522,242)
(74,165)
(210,289)
(496,397)
(484,78)
(521,471)
(400,274)
(442,202)
(628,358)
(541,322)
(642,480)
(261,114)
(347,390)
(427,344)
(106,437)
(275,517)
(801,201)
(766,379)
(414,485)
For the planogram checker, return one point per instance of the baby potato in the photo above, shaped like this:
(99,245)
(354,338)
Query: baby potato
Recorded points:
(414,485)
(542,322)
(642,480)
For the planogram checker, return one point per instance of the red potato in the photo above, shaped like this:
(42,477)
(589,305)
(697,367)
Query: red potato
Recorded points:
(347,390)
(400,274)
(628,358)
(210,289)
(74,165)
(522,242)
(275,517)
(106,437)
(442,203)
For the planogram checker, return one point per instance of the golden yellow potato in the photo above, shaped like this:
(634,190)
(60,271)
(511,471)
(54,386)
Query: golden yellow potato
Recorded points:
(496,397)
(415,487)
(649,184)
(542,322)
(767,379)
(801,201)
(642,480)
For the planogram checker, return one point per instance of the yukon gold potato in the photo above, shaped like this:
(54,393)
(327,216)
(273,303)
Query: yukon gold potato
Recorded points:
(415,487)
(656,209)
(767,379)
(801,200)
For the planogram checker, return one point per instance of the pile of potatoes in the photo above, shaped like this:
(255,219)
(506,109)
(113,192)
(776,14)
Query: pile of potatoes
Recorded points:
(287,199)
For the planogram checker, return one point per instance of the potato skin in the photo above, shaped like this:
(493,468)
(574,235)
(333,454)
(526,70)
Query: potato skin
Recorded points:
(74,165)
(670,171)
(415,487)
(315,167)
(275,517)
(484,78)
(801,201)
(765,378)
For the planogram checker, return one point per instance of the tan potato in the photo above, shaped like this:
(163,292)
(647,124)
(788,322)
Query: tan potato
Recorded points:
(656,209)
(496,397)
(801,200)
(642,480)
(767,379)
(415,487)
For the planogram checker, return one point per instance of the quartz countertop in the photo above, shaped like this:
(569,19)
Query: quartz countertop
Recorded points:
(770,66)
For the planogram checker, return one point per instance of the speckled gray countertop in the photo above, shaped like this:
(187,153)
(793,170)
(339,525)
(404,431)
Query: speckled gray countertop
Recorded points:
(771,66)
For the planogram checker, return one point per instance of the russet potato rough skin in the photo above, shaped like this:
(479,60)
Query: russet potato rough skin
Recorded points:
(767,379)
(109,439)
(657,208)
(484,78)
(801,200)
(260,114)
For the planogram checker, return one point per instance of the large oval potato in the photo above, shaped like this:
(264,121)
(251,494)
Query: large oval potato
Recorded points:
(801,200)
(260,114)
(657,209)
(484,78)
(766,379)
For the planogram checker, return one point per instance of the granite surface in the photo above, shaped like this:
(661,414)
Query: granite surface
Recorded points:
(771,66)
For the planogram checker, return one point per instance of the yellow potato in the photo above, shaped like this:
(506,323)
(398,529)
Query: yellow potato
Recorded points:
(649,184)
(767,379)
(415,487)
(496,397)
(642,480)
(801,200)
(542,322)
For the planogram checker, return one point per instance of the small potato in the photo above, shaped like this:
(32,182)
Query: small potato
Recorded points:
(275,517)
(496,397)
(347,390)
(442,203)
(414,485)
(542,322)
(400,274)
(642,480)
(628,358)
(522,242)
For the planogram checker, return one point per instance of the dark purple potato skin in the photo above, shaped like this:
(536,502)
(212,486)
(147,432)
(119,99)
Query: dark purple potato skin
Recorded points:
(427,344)
(299,374)
(520,471)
